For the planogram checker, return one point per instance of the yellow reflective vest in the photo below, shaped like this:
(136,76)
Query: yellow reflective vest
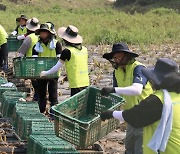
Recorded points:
(34,39)
(125,79)
(173,145)
(3,36)
(77,68)
(47,52)
(21,31)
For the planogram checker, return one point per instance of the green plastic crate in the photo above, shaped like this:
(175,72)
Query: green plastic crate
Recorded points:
(24,108)
(78,121)
(25,123)
(30,68)
(3,89)
(15,93)
(7,105)
(40,144)
(64,152)
(40,128)
(17,121)
(27,106)
(3,80)
(13,44)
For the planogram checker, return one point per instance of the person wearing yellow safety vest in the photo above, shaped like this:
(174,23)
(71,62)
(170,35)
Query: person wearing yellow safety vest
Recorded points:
(130,83)
(20,30)
(158,113)
(75,57)
(3,49)
(26,48)
(47,46)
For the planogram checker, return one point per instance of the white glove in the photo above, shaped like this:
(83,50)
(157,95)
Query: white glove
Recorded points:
(21,37)
(43,73)
(14,33)
(118,115)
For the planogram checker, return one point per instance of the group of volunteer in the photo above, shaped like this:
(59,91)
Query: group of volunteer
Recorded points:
(152,94)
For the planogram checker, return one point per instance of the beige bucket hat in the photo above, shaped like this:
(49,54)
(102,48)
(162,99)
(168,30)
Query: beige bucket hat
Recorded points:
(32,24)
(70,34)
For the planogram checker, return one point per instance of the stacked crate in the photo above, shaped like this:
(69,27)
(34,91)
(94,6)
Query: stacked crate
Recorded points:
(9,100)
(24,114)
(43,144)
(6,88)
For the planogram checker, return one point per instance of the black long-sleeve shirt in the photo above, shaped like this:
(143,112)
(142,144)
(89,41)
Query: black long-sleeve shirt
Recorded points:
(147,112)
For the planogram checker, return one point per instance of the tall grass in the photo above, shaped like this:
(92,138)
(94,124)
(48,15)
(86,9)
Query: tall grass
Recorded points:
(98,23)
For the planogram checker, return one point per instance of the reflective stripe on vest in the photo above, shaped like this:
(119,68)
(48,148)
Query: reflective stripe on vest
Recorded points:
(34,39)
(173,145)
(47,52)
(125,79)
(21,31)
(77,68)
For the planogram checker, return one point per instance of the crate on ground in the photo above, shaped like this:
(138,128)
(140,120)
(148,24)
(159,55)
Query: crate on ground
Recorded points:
(7,105)
(3,80)
(63,152)
(24,108)
(78,121)
(15,93)
(5,87)
(27,106)
(40,144)
(23,128)
(40,128)
(13,44)
(29,67)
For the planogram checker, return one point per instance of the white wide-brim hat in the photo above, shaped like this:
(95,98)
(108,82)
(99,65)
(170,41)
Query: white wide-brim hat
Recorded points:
(70,34)
(32,24)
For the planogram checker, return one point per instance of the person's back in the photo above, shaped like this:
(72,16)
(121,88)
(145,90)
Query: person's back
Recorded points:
(75,57)
(3,49)
(77,67)
(3,35)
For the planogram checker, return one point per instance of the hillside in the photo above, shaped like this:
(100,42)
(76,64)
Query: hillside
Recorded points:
(100,21)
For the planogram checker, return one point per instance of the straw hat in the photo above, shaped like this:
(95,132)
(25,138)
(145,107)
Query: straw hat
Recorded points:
(70,34)
(32,24)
